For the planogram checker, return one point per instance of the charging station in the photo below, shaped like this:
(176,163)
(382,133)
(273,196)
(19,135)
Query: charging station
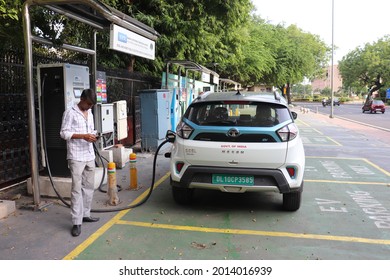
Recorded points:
(60,88)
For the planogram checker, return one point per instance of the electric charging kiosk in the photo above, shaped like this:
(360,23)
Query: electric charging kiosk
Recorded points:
(60,88)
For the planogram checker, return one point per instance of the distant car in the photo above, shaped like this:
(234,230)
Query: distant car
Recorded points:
(374,106)
(336,101)
(238,142)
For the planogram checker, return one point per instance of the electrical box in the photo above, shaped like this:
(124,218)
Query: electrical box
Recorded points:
(120,119)
(155,117)
(104,124)
(104,118)
(59,88)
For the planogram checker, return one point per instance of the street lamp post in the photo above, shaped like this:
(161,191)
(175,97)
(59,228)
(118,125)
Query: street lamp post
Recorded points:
(331,70)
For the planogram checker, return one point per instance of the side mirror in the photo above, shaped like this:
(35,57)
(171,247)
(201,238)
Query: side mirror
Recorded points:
(295,115)
(170,136)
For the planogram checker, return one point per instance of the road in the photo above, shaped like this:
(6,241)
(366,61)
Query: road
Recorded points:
(351,112)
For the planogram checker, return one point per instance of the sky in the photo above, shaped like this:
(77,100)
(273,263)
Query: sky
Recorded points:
(356,22)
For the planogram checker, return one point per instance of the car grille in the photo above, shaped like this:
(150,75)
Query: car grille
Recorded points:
(244,138)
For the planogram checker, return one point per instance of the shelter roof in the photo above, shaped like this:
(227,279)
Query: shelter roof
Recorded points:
(98,15)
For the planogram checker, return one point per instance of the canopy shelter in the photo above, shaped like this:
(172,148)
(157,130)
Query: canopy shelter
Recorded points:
(92,12)
(188,66)
(226,84)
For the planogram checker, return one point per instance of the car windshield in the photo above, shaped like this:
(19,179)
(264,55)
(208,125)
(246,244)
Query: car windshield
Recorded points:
(238,113)
(377,102)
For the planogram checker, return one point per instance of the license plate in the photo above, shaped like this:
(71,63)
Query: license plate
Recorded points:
(227,179)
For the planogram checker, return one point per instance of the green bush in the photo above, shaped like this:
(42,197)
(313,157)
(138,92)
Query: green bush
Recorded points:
(317,98)
(344,99)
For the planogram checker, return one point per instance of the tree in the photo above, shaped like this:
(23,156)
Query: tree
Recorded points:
(203,31)
(224,33)
(254,58)
(302,89)
(297,55)
(367,66)
(11,32)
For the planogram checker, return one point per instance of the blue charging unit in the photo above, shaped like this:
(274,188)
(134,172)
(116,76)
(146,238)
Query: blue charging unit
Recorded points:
(155,117)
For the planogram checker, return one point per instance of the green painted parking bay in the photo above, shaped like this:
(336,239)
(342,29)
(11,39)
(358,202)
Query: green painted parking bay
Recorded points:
(309,131)
(359,212)
(319,140)
(347,170)
(312,136)
(344,206)
(353,217)
(350,217)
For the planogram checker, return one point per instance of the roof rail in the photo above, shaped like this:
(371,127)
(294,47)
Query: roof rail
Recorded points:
(203,95)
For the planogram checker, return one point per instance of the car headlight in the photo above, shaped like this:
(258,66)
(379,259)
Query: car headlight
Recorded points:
(183,130)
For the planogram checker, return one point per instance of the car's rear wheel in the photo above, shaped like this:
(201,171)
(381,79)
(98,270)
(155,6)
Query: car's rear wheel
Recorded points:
(182,195)
(292,201)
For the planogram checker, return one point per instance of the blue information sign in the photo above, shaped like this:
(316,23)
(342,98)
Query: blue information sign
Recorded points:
(388,93)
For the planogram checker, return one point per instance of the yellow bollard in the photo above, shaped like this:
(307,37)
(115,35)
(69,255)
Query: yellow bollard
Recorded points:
(133,172)
(112,190)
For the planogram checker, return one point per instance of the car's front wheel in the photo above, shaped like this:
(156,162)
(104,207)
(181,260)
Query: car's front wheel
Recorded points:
(292,201)
(182,195)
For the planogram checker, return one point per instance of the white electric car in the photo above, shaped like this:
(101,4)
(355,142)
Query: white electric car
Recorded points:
(238,142)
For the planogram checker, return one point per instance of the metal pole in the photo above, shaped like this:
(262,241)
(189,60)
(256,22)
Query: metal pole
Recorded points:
(331,70)
(63,46)
(94,61)
(30,105)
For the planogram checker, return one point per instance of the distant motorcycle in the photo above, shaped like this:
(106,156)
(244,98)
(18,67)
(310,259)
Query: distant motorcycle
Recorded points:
(325,102)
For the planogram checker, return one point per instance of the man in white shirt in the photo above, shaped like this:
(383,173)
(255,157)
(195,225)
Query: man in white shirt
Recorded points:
(78,130)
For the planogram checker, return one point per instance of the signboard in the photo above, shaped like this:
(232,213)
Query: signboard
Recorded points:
(215,80)
(205,77)
(388,93)
(126,41)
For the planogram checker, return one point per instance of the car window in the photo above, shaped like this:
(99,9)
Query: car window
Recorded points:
(378,102)
(237,113)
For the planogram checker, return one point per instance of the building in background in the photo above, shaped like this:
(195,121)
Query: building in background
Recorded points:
(321,83)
